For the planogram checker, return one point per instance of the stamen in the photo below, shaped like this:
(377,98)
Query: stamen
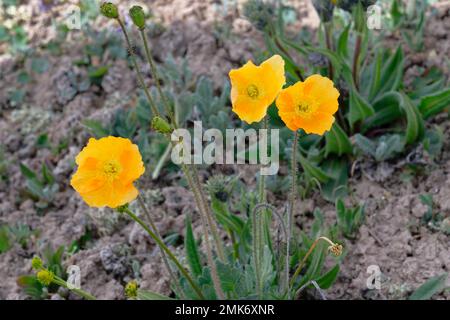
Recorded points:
(252,91)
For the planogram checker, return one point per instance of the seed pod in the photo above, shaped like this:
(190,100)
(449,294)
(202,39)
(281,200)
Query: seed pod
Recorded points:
(109,10)
(138,16)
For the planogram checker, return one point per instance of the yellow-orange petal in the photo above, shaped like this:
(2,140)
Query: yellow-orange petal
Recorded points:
(254,88)
(112,195)
(309,105)
(106,170)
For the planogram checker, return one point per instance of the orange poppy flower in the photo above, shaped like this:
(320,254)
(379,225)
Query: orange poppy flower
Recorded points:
(254,88)
(309,105)
(106,171)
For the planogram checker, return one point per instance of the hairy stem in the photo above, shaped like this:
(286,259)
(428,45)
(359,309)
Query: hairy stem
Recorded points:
(302,263)
(138,70)
(162,245)
(155,75)
(208,214)
(291,205)
(79,292)
(202,202)
(203,218)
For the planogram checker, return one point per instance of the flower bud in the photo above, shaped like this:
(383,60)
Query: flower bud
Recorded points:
(131,290)
(138,16)
(336,249)
(109,10)
(45,277)
(36,263)
(161,125)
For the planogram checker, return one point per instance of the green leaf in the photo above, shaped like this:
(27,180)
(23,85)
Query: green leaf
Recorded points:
(47,175)
(396,13)
(327,280)
(225,218)
(415,127)
(98,72)
(433,141)
(375,75)
(337,141)
(387,109)
(336,186)
(434,103)
(430,288)
(96,128)
(39,65)
(27,172)
(342,48)
(150,295)
(4,239)
(391,74)
(190,245)
(332,56)
(313,171)
(360,109)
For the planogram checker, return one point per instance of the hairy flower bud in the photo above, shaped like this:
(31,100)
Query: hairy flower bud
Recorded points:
(131,289)
(109,10)
(36,263)
(161,125)
(45,277)
(138,16)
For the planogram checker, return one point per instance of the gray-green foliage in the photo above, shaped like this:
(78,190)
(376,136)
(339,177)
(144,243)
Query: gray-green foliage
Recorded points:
(381,149)
(431,287)
(40,187)
(237,275)
(379,112)
(349,219)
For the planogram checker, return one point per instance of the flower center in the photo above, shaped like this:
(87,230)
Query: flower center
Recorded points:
(306,109)
(252,91)
(111,168)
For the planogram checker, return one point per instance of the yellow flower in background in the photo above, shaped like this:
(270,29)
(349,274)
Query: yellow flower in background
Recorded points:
(106,171)
(309,105)
(254,88)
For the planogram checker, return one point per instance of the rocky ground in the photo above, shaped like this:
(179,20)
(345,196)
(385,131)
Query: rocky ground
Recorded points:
(407,252)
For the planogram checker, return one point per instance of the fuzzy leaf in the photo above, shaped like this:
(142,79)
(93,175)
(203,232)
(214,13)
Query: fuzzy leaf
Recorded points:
(190,244)
(313,171)
(434,103)
(337,141)
(430,288)
(327,280)
(415,125)
(360,109)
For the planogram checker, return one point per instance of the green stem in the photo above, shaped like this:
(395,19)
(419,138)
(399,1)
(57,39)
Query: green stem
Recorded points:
(256,251)
(161,244)
(204,220)
(212,224)
(138,70)
(291,205)
(302,263)
(79,292)
(156,76)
